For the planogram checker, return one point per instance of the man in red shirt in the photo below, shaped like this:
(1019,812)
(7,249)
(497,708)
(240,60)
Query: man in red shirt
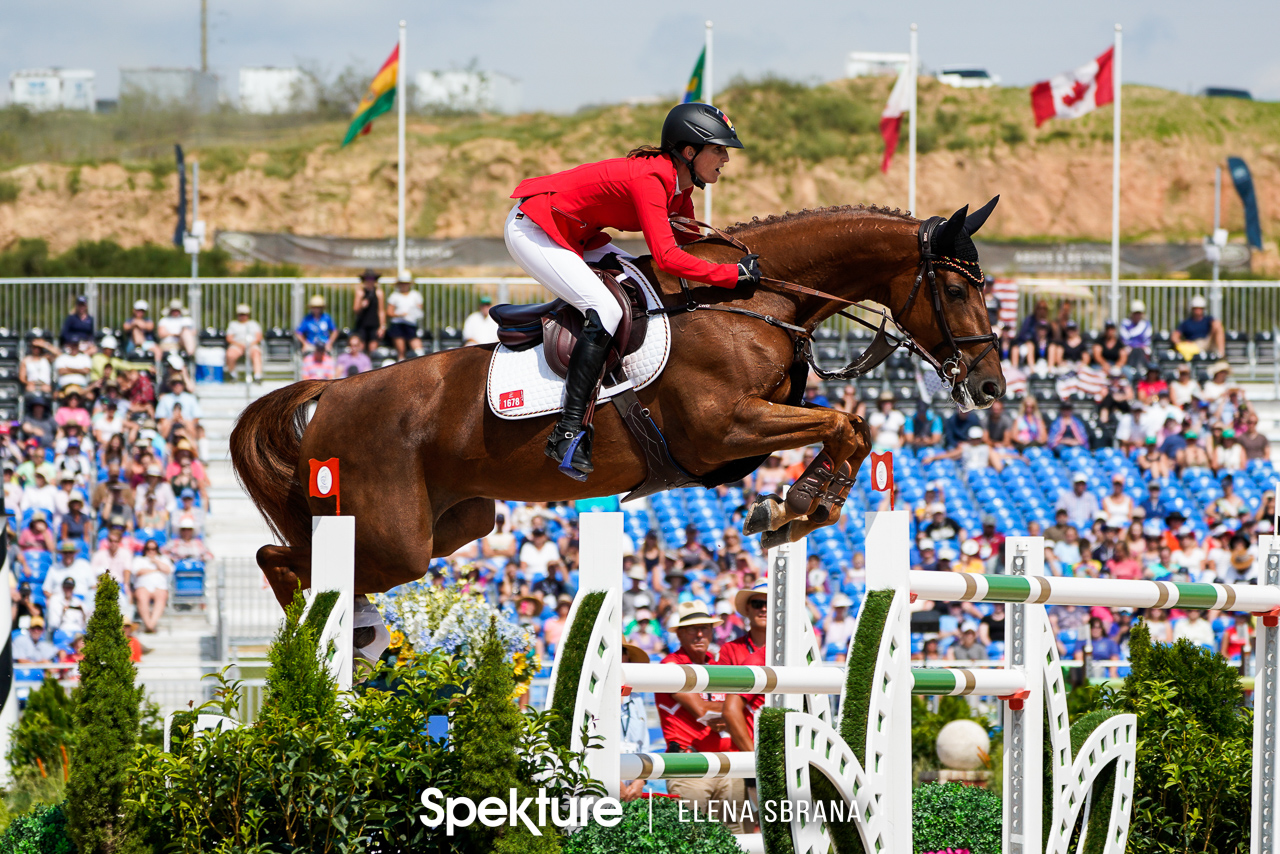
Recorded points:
(694,723)
(740,709)
(990,541)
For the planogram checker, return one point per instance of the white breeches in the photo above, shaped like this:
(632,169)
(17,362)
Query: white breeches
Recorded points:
(561,271)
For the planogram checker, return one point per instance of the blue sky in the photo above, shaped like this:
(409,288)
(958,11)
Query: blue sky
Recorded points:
(568,54)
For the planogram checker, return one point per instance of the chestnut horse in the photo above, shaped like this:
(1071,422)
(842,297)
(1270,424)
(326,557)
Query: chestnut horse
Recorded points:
(423,459)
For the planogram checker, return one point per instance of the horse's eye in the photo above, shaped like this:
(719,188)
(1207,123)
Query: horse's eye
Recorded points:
(955,293)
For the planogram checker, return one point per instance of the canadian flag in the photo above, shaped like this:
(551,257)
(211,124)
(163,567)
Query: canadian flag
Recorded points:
(891,118)
(1071,95)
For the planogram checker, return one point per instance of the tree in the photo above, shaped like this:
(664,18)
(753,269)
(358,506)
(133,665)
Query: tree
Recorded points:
(488,729)
(107,717)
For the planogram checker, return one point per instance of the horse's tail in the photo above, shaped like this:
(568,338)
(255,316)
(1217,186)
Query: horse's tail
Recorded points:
(264,452)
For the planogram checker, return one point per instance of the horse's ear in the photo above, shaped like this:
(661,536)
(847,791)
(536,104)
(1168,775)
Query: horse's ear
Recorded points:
(950,230)
(974,221)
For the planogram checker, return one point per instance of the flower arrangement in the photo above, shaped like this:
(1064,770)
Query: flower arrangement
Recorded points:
(453,619)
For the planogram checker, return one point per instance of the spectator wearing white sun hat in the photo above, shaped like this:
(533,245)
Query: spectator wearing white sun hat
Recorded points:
(244,336)
(139,330)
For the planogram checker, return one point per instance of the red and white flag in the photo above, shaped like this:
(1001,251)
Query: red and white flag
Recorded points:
(323,482)
(891,118)
(882,475)
(1071,95)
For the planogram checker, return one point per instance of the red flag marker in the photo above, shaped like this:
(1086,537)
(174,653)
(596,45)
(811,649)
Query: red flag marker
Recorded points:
(882,476)
(324,481)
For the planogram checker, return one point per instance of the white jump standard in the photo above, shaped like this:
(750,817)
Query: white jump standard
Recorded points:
(796,735)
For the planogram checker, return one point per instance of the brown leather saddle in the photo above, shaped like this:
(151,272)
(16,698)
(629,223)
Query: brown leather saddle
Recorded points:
(556,325)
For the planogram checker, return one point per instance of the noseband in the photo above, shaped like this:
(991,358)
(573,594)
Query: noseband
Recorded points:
(951,371)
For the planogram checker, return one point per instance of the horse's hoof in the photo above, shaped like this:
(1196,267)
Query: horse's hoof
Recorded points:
(820,514)
(760,515)
(773,539)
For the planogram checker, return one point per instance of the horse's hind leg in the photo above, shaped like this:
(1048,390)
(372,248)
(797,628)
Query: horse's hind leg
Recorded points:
(286,570)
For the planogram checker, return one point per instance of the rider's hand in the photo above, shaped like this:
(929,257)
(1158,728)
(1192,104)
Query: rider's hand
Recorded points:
(749,269)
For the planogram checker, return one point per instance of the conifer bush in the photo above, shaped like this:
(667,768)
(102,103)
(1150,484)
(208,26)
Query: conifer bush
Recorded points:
(107,719)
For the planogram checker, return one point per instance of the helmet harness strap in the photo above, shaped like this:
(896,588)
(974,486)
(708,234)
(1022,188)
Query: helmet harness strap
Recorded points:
(693,175)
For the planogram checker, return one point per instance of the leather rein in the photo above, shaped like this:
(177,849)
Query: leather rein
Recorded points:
(952,370)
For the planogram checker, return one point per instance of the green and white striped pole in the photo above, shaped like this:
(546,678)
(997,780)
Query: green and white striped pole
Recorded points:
(1110,593)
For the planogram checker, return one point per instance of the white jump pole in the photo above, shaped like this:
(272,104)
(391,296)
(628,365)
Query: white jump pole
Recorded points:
(888,558)
(1024,728)
(333,567)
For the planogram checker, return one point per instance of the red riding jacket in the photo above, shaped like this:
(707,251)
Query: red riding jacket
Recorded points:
(629,194)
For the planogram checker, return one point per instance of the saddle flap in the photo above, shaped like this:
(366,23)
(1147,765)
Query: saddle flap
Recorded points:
(561,327)
(520,326)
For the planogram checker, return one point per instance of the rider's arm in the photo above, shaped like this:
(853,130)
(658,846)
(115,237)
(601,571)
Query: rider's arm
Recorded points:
(649,195)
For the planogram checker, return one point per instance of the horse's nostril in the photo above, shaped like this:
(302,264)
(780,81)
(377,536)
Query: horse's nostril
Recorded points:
(991,389)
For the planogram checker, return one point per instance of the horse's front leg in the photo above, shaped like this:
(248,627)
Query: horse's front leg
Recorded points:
(762,427)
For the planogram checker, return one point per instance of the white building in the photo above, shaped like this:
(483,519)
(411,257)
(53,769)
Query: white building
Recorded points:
(170,87)
(869,64)
(276,90)
(467,91)
(40,89)
(968,77)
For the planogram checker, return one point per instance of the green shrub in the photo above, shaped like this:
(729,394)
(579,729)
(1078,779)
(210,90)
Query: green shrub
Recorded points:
(297,781)
(669,835)
(107,720)
(298,685)
(487,738)
(9,190)
(951,815)
(43,736)
(41,831)
(1013,133)
(1192,781)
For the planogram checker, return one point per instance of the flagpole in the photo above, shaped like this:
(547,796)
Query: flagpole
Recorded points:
(1115,185)
(911,134)
(401,94)
(707,93)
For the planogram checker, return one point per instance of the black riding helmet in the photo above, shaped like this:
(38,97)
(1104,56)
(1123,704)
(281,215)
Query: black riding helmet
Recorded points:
(697,125)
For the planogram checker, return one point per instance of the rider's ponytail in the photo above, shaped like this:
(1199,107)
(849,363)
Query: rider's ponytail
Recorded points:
(645,151)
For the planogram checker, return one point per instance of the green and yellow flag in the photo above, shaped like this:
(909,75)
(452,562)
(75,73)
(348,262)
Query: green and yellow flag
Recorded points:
(380,98)
(693,92)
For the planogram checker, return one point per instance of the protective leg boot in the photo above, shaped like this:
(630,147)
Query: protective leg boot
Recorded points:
(570,441)
(803,495)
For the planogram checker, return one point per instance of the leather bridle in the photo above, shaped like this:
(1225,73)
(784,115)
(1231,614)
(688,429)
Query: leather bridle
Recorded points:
(952,371)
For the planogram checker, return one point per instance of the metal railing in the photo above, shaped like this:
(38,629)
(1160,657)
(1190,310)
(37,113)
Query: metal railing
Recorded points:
(1248,306)
(45,302)
(247,611)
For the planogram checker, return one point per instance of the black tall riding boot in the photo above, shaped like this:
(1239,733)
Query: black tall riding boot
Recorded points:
(570,442)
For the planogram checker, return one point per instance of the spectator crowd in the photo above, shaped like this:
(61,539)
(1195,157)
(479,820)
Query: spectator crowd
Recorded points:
(102,474)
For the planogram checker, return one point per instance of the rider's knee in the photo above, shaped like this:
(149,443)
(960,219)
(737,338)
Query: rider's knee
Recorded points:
(610,315)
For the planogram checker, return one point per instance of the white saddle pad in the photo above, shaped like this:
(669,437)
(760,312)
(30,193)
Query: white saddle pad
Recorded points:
(522,385)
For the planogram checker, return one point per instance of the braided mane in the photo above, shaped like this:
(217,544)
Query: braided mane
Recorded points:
(792,216)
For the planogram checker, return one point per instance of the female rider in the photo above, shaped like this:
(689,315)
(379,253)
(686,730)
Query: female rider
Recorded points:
(558,226)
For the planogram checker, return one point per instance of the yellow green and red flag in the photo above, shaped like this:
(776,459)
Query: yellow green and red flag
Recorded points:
(693,91)
(380,98)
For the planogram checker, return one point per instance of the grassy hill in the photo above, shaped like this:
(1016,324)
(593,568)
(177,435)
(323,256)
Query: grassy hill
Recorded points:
(69,177)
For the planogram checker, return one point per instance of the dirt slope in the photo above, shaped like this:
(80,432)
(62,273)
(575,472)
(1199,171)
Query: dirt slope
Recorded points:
(807,147)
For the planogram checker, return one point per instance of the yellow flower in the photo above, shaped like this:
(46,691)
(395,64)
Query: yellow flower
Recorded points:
(397,638)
